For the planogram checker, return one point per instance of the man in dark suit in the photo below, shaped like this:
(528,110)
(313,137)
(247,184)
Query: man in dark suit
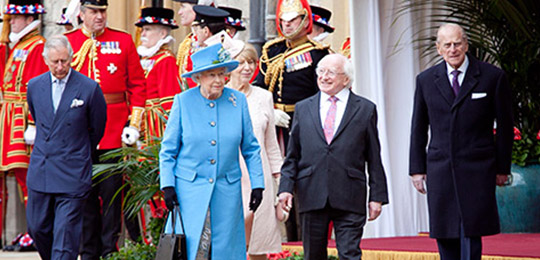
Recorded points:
(332,138)
(70,114)
(458,101)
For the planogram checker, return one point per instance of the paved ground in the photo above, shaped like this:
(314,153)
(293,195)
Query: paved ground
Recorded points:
(19,255)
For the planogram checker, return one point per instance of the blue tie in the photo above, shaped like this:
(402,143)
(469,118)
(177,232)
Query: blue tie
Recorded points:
(57,91)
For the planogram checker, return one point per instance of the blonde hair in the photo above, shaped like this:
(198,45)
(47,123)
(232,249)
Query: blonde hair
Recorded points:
(249,53)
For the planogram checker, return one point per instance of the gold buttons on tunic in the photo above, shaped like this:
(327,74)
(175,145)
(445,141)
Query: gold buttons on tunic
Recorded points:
(213,123)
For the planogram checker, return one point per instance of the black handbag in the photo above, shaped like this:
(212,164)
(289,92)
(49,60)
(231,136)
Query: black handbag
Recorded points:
(172,246)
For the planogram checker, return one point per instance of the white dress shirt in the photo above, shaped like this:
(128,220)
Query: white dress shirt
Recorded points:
(57,89)
(462,69)
(341,104)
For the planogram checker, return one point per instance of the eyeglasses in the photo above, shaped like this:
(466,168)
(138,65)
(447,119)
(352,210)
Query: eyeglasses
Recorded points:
(331,73)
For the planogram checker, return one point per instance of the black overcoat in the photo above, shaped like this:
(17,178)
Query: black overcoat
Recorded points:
(463,155)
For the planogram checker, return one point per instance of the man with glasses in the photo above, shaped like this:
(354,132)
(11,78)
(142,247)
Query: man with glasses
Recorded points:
(455,106)
(331,146)
(287,69)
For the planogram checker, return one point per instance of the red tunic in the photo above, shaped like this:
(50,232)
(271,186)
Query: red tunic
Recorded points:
(112,60)
(25,62)
(162,83)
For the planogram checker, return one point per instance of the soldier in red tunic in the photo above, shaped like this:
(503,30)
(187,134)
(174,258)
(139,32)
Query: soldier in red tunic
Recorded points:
(24,62)
(109,57)
(159,64)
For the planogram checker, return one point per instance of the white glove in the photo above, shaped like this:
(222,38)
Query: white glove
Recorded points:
(30,135)
(281,118)
(130,135)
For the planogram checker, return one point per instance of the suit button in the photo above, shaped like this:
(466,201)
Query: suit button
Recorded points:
(213,142)
(279,100)
(213,123)
(211,180)
(212,105)
(212,161)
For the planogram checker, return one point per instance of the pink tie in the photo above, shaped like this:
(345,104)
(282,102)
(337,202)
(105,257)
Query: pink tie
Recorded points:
(330,120)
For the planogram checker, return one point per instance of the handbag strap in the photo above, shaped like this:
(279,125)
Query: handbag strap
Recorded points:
(175,211)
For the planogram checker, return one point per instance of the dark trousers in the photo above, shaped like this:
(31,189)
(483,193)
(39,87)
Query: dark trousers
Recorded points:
(55,223)
(102,217)
(348,227)
(462,248)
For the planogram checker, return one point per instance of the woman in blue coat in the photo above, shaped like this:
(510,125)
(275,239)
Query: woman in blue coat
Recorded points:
(199,168)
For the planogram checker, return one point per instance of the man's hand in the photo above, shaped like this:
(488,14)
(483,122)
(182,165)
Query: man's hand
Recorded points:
(375,209)
(30,135)
(170,198)
(418,182)
(281,118)
(285,200)
(130,135)
(502,179)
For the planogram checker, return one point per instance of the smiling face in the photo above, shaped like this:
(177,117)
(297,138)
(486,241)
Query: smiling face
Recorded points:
(452,45)
(212,82)
(331,77)
(94,20)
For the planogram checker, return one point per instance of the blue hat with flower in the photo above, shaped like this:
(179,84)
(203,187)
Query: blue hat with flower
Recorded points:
(211,57)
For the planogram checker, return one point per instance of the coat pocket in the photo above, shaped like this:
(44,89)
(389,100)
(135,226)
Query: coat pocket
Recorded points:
(234,175)
(356,174)
(185,173)
(304,173)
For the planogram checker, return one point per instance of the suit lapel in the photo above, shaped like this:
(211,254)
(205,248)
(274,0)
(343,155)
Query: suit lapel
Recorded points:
(443,84)
(353,105)
(469,82)
(314,114)
(71,91)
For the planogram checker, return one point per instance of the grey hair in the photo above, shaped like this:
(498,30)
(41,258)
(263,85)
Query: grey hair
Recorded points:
(348,69)
(452,25)
(57,42)
(195,77)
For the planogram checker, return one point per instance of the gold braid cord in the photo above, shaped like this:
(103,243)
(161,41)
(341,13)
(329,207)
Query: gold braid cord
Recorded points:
(136,117)
(183,53)
(80,57)
(276,64)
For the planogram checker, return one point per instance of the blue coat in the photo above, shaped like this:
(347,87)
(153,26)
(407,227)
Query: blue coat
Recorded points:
(61,159)
(199,158)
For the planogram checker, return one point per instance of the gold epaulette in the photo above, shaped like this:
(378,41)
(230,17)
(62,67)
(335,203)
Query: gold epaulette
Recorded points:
(71,31)
(264,53)
(183,52)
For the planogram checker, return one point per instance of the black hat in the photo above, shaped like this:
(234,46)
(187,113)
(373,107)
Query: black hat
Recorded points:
(27,7)
(208,14)
(235,18)
(96,4)
(157,15)
(187,1)
(321,17)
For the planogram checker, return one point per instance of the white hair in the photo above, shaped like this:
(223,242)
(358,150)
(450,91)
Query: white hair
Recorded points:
(348,69)
(57,42)
(452,25)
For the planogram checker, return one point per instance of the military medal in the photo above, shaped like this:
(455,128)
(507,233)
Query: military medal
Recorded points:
(112,68)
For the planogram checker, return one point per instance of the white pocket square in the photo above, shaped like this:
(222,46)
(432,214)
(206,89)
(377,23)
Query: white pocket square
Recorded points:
(77,103)
(478,95)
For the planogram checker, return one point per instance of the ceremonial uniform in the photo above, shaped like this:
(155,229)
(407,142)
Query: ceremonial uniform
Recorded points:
(183,60)
(162,80)
(24,62)
(346,48)
(110,58)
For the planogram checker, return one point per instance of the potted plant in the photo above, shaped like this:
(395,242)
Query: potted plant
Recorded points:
(506,34)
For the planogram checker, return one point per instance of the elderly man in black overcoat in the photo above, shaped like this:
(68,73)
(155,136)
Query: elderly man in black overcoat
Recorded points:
(459,101)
